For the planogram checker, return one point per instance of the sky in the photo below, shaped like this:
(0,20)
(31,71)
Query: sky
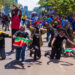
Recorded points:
(30,3)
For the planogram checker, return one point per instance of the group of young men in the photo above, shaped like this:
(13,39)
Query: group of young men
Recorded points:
(55,27)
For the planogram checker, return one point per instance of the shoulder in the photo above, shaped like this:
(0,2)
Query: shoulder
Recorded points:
(26,33)
(65,37)
(56,35)
(18,31)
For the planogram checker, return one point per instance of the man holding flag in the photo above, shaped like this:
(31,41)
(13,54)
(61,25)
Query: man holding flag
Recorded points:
(21,43)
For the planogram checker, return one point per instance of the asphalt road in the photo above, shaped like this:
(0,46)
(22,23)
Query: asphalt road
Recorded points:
(44,66)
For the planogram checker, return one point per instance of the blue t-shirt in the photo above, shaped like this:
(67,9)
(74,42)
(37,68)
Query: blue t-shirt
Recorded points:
(63,22)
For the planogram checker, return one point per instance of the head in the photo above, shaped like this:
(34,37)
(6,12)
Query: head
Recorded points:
(22,28)
(47,24)
(16,11)
(65,17)
(69,23)
(44,18)
(29,23)
(37,26)
(56,23)
(48,15)
(61,32)
(35,14)
(24,15)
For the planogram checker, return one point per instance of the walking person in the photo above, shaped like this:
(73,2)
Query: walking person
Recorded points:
(15,23)
(20,51)
(3,21)
(2,44)
(36,35)
(57,44)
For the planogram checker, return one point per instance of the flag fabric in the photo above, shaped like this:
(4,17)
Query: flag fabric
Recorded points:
(19,41)
(73,47)
(43,23)
(67,51)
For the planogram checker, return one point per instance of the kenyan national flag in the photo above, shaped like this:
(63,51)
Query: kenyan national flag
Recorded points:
(73,47)
(67,51)
(19,41)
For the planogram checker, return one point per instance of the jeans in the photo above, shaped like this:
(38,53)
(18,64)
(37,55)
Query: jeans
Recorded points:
(2,52)
(20,53)
(48,34)
(23,52)
(23,22)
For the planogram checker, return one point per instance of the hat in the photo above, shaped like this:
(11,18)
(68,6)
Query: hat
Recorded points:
(36,23)
(58,26)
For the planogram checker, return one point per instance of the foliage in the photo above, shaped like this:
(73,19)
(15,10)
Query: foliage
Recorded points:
(0,4)
(7,4)
(63,7)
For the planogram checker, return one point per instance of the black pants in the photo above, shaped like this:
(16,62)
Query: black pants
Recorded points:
(3,24)
(56,52)
(2,52)
(13,32)
(50,41)
(37,52)
(49,44)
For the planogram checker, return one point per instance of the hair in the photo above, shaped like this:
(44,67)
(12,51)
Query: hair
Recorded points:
(61,29)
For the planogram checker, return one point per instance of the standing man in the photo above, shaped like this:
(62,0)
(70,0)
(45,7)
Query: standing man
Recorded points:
(24,17)
(16,18)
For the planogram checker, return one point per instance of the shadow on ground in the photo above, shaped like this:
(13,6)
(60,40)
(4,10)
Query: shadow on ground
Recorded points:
(14,65)
(57,61)
(32,62)
(9,53)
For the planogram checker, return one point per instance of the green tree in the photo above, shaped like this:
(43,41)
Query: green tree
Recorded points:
(0,4)
(63,7)
(7,4)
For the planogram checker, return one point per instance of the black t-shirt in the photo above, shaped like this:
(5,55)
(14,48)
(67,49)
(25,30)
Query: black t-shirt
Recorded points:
(2,39)
(59,40)
(36,38)
(4,18)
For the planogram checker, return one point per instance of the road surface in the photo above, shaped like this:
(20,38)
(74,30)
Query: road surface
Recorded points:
(44,66)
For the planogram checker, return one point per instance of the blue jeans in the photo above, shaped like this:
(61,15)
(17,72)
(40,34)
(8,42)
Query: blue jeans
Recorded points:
(2,52)
(23,52)
(20,52)
(48,34)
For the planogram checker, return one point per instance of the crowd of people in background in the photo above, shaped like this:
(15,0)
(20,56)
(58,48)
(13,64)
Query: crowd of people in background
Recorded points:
(57,28)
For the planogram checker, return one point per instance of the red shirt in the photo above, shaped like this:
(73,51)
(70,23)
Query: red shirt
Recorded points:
(15,22)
